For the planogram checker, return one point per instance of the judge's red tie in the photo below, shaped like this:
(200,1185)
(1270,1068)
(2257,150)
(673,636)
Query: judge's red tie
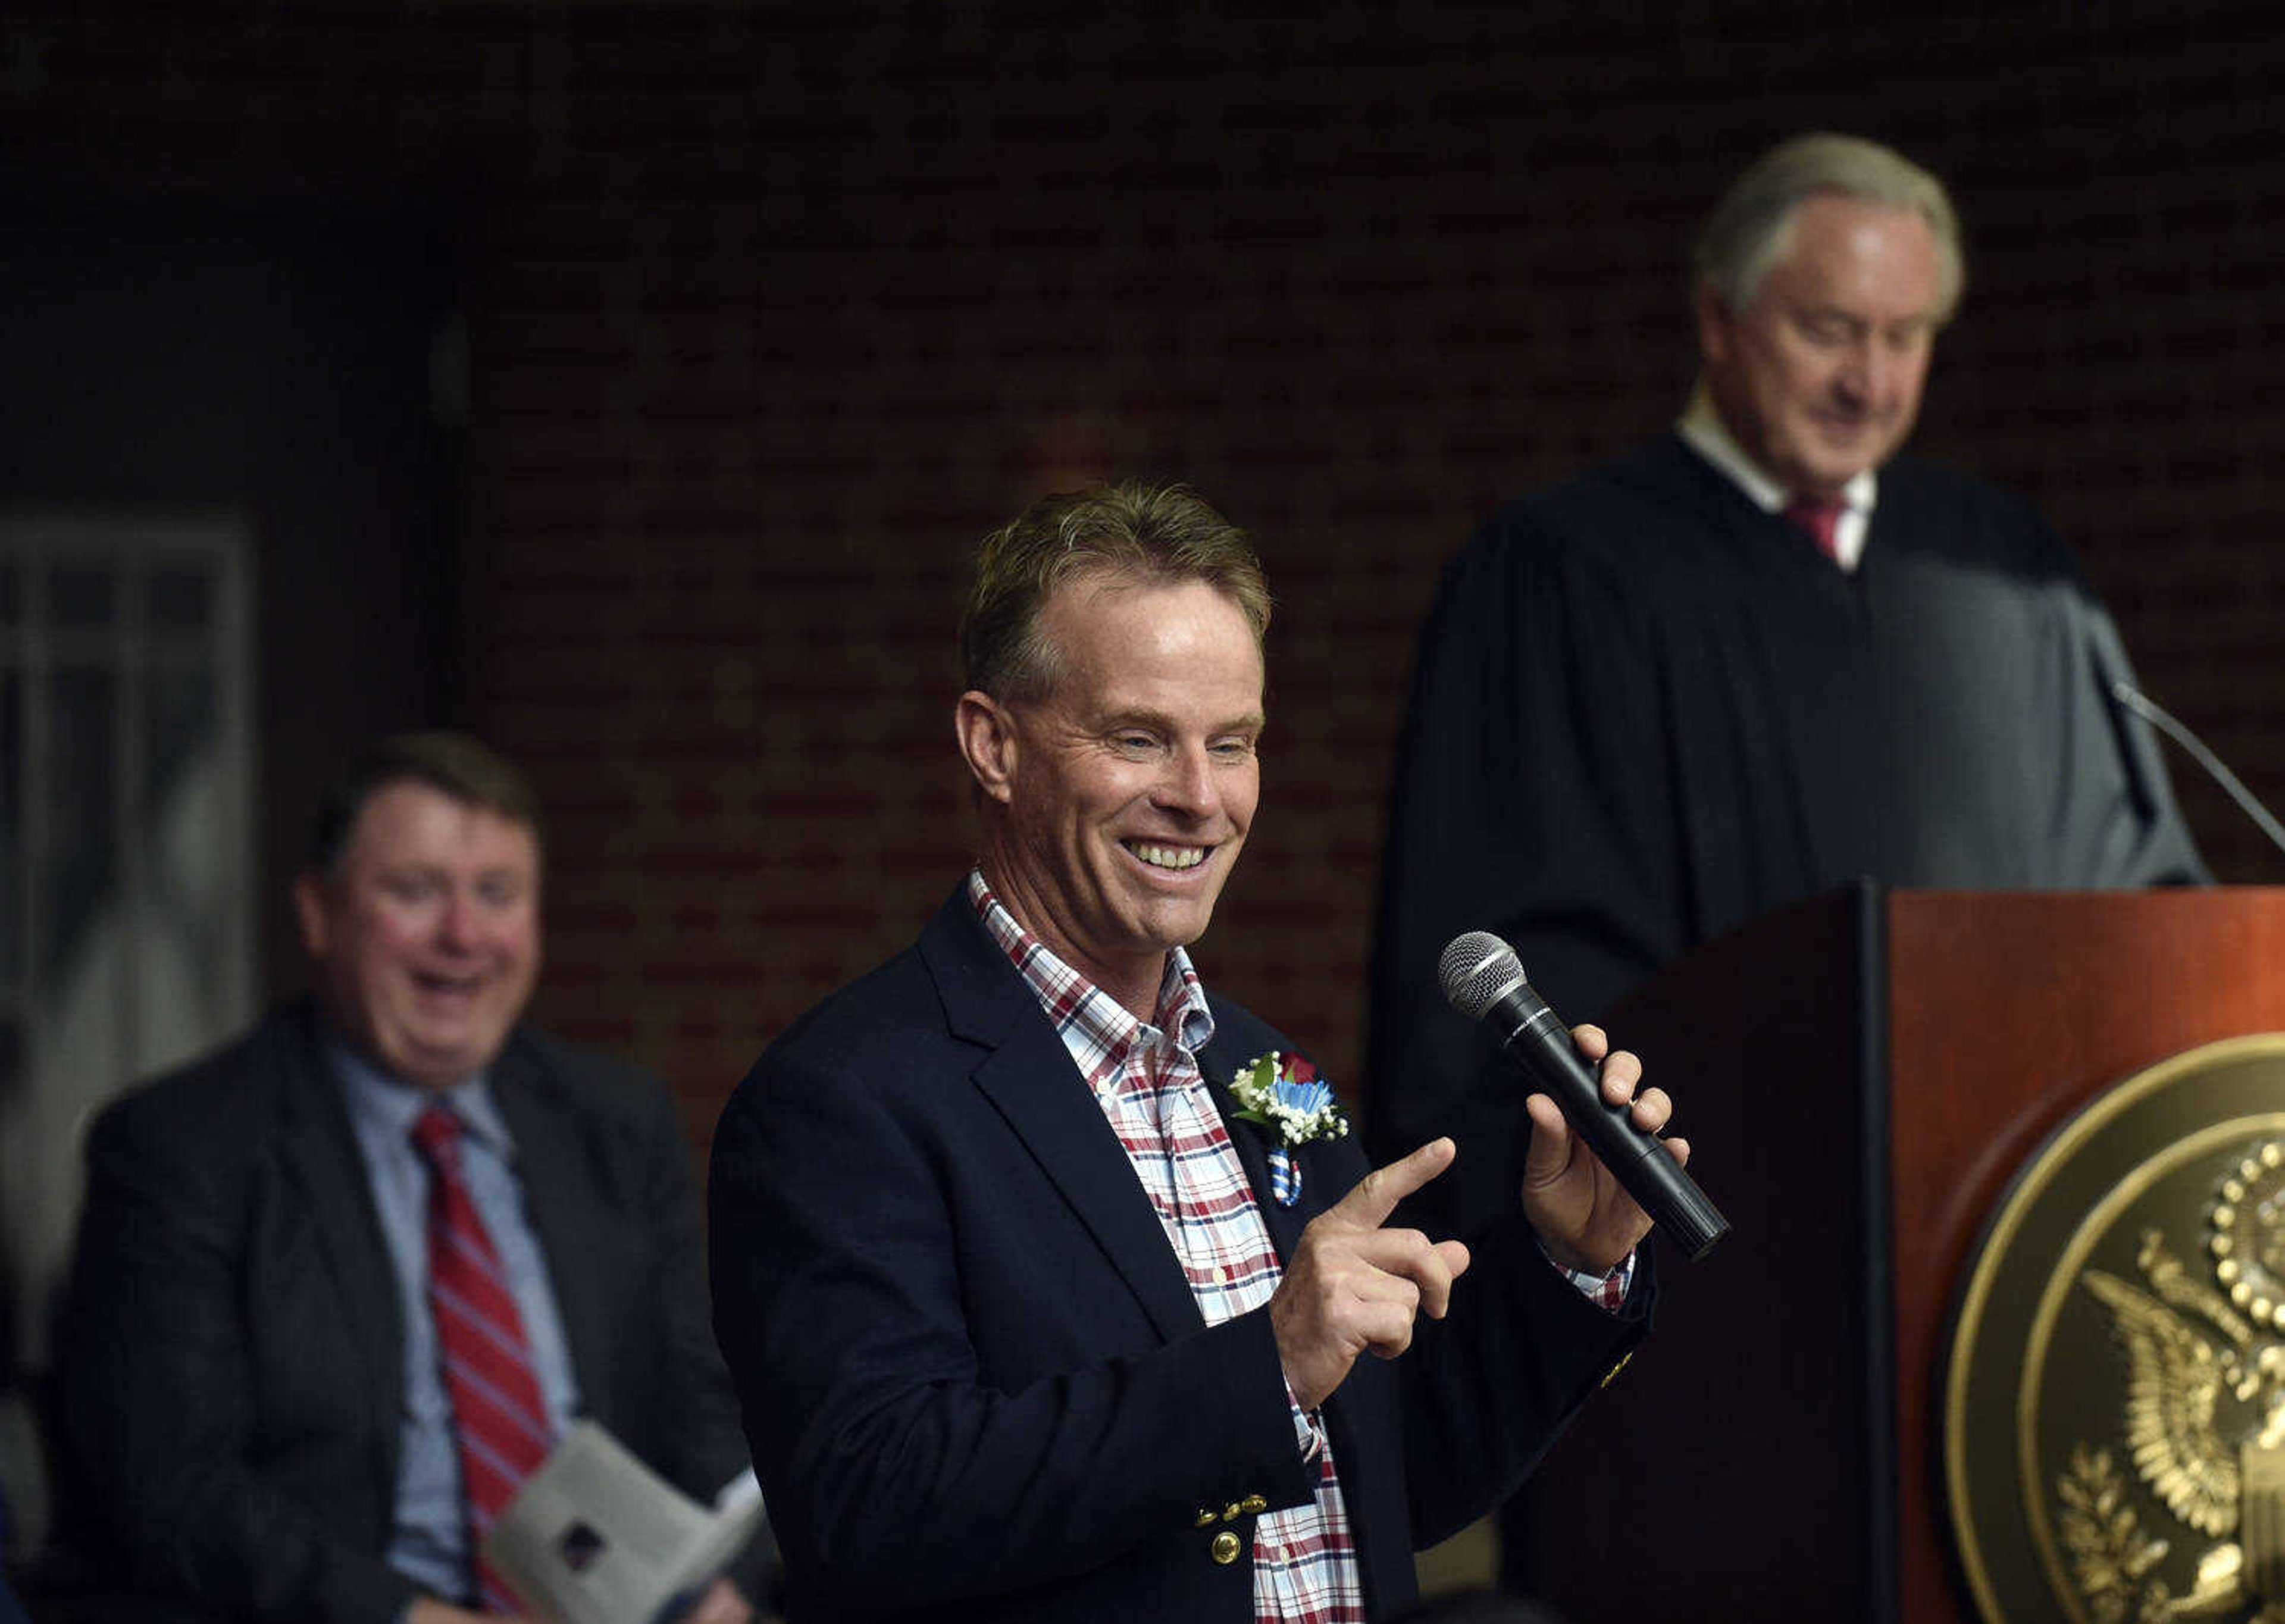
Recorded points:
(1820,522)
(497,1415)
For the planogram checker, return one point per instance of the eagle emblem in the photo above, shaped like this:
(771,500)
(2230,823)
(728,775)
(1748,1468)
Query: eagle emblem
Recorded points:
(2203,1420)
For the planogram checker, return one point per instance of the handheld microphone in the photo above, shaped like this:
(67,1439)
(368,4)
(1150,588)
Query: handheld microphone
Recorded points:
(1483,980)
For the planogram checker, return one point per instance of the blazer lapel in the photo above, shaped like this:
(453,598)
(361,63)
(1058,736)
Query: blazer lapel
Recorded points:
(320,1151)
(547,1163)
(1028,1077)
(1284,1223)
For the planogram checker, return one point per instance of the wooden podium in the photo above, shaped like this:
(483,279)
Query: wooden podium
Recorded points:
(1860,1075)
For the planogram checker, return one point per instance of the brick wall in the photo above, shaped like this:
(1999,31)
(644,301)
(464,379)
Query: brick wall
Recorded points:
(771,310)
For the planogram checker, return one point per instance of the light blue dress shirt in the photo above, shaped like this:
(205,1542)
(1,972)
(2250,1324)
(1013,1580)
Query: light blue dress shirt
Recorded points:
(429,1544)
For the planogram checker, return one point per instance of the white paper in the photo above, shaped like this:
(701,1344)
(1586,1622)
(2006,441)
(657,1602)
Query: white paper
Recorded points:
(596,1537)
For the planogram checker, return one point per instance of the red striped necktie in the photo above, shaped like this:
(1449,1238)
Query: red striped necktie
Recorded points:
(1820,522)
(498,1415)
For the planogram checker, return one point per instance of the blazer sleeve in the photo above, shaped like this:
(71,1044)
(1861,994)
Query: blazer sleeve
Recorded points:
(1455,1426)
(698,1444)
(898,1475)
(156,1383)
(1489,1389)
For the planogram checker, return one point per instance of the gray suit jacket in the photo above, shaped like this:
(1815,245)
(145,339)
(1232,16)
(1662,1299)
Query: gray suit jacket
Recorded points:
(230,1366)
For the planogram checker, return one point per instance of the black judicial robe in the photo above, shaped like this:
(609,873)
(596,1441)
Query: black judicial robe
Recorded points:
(1644,710)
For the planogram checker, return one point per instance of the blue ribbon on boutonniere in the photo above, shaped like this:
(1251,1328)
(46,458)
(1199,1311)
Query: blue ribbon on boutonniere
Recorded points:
(1285,1097)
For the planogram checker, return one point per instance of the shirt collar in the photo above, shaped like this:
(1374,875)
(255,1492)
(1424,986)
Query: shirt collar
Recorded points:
(1084,1013)
(1702,429)
(382,1103)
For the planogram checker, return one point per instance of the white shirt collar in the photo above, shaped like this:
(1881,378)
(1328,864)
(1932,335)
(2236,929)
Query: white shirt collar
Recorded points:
(1702,429)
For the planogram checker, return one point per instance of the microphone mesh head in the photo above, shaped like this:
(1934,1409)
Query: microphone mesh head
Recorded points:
(1476,970)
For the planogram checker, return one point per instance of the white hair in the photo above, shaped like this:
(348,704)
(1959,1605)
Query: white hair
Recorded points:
(1752,226)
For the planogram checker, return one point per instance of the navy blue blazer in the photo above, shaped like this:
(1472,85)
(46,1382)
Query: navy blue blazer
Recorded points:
(229,1362)
(975,1381)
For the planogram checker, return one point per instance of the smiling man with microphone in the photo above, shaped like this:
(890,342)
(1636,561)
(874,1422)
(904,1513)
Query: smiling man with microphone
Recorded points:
(1052,1284)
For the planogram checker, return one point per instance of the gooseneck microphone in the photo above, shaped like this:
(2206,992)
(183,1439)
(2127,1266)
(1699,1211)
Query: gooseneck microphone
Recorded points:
(2164,720)
(1484,981)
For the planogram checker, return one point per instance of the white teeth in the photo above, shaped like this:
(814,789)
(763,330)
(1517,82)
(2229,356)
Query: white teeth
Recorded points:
(1169,857)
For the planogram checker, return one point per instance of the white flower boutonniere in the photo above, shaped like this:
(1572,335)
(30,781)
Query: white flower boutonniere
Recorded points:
(1287,1097)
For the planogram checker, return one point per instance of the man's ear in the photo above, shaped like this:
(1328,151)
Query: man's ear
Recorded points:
(987,741)
(309,912)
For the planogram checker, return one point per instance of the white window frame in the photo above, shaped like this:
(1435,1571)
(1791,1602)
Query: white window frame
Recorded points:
(73,1059)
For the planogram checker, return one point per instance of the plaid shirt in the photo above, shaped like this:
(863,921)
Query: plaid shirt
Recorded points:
(1146,1078)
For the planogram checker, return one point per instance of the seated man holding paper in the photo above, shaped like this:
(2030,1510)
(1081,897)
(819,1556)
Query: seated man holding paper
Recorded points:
(340,1287)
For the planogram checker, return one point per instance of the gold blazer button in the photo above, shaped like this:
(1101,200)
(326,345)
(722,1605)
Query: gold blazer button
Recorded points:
(1225,1548)
(1253,1505)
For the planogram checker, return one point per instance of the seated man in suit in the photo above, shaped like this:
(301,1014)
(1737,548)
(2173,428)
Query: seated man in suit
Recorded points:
(1029,1319)
(338,1285)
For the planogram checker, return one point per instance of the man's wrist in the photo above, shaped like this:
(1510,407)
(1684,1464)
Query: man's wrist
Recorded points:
(1308,1426)
(1608,1288)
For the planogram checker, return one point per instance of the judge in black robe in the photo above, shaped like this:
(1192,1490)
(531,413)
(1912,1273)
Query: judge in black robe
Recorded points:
(1644,710)
(1647,707)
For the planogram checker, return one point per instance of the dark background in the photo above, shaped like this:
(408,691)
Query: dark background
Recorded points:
(628,382)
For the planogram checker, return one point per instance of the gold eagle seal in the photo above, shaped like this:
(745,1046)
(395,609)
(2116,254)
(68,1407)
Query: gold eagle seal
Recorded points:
(2115,1389)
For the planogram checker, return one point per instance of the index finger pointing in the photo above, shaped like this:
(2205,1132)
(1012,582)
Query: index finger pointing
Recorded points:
(1374,1196)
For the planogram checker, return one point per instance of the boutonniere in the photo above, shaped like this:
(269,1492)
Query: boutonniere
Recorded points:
(1287,1098)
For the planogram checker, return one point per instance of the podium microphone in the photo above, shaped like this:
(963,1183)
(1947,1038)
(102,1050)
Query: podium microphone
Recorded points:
(2151,711)
(1484,981)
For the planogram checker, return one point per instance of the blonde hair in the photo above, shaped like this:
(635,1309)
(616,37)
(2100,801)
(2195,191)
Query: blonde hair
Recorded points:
(1143,532)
